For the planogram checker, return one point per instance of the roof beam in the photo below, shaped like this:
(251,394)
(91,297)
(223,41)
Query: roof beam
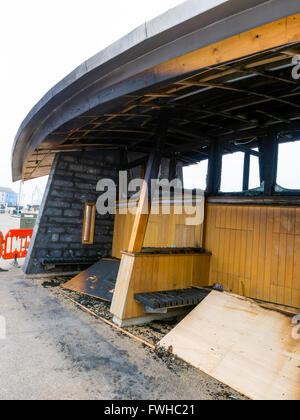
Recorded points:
(242,148)
(265,74)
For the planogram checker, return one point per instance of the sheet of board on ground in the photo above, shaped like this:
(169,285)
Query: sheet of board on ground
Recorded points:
(252,348)
(98,280)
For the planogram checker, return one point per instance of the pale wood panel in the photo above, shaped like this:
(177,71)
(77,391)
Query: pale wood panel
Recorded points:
(269,36)
(242,344)
(164,230)
(255,251)
(122,285)
(153,273)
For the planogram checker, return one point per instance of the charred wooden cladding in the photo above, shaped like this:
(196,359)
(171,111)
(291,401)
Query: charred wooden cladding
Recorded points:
(217,81)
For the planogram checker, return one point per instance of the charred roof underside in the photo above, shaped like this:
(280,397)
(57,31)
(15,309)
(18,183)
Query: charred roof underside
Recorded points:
(219,69)
(236,103)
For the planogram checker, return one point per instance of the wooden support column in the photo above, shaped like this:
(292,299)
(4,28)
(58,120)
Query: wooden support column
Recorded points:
(214,168)
(144,206)
(173,166)
(261,163)
(246,172)
(269,163)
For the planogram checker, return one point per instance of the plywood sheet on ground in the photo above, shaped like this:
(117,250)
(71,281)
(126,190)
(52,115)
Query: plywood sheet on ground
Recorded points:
(98,280)
(248,347)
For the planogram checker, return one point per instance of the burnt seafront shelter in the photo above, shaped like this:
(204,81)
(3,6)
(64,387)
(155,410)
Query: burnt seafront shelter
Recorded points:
(204,80)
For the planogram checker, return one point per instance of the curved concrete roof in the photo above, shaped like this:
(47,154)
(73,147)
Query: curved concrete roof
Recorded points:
(104,78)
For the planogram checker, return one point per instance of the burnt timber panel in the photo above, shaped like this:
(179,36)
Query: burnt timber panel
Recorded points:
(98,280)
(255,251)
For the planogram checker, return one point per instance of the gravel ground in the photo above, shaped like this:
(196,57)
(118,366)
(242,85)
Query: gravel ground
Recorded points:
(152,333)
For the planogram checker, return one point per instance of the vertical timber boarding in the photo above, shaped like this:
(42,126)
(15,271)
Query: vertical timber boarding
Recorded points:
(255,251)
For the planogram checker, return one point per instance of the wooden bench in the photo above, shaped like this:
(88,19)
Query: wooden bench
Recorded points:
(172,298)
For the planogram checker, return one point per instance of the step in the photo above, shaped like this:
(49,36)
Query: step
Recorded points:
(172,298)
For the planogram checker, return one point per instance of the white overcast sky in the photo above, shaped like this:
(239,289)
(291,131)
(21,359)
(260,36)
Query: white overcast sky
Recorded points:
(42,41)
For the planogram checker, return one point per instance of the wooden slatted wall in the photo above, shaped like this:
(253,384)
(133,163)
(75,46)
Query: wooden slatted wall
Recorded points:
(164,230)
(255,251)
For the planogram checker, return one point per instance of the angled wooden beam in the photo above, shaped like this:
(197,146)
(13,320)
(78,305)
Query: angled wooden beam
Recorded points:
(144,207)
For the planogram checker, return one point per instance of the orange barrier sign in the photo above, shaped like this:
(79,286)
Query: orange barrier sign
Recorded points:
(15,244)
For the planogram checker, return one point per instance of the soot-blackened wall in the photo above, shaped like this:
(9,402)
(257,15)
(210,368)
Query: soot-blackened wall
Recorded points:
(58,232)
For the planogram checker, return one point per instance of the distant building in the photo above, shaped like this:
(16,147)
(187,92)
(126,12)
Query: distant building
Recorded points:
(37,197)
(8,197)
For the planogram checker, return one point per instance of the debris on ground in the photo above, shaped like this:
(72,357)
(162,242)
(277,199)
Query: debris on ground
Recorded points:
(151,333)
